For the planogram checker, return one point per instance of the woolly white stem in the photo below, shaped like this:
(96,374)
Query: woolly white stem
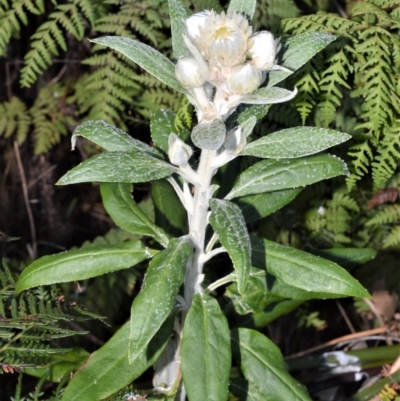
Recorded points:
(198,224)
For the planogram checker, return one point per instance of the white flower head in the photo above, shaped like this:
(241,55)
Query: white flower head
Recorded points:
(220,38)
(262,51)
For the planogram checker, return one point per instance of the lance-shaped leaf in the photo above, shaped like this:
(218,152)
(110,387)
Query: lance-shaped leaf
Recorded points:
(81,264)
(248,125)
(146,57)
(110,138)
(227,221)
(295,142)
(246,7)
(118,167)
(273,311)
(263,289)
(348,257)
(255,207)
(209,135)
(304,271)
(117,200)
(272,175)
(269,96)
(156,298)
(178,14)
(107,370)
(263,366)
(206,351)
(296,51)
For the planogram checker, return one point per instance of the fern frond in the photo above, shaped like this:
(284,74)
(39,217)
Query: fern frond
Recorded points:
(50,37)
(388,215)
(393,239)
(51,116)
(375,80)
(184,115)
(307,85)
(387,160)
(14,120)
(13,15)
(362,156)
(334,78)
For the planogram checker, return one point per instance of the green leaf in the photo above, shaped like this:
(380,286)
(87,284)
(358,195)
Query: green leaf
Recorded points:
(348,257)
(297,51)
(248,125)
(273,175)
(156,299)
(81,264)
(263,289)
(161,126)
(170,213)
(244,390)
(246,7)
(206,351)
(178,14)
(209,135)
(272,312)
(269,96)
(110,138)
(295,142)
(255,207)
(227,221)
(264,368)
(117,200)
(118,167)
(146,57)
(303,270)
(107,370)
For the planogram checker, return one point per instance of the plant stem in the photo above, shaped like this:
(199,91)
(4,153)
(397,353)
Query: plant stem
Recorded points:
(198,222)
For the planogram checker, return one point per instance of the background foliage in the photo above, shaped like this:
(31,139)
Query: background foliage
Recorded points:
(54,79)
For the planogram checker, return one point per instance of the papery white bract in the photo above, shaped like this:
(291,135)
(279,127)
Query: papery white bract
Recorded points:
(225,56)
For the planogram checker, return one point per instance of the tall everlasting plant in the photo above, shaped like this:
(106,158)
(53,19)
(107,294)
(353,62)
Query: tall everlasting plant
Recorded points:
(230,74)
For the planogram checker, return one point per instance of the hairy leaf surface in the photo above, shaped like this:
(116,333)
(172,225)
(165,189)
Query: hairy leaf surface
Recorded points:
(255,207)
(206,351)
(246,7)
(118,201)
(110,138)
(263,366)
(148,58)
(118,167)
(227,221)
(303,270)
(107,370)
(156,298)
(209,135)
(273,175)
(295,142)
(81,264)
(178,14)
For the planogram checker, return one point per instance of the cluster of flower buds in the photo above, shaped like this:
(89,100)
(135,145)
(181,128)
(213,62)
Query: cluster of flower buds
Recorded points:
(226,62)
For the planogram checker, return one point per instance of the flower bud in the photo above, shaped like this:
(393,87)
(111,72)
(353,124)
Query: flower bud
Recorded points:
(178,152)
(235,141)
(188,72)
(263,49)
(194,23)
(244,79)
